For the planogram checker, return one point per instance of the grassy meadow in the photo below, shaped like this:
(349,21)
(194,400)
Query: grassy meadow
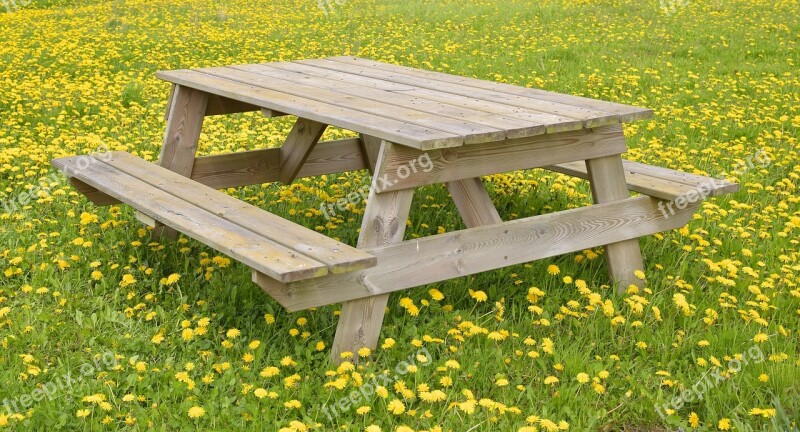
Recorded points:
(103,329)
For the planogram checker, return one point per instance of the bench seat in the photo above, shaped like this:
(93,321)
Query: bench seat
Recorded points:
(658,182)
(265,242)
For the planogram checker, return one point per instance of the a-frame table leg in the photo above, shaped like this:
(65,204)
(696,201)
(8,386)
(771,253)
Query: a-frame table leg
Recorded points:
(185,120)
(607,180)
(384,223)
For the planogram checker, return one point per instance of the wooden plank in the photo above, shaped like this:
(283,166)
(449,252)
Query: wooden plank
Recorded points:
(337,256)
(257,252)
(370,147)
(92,194)
(145,219)
(298,146)
(513,127)
(266,112)
(473,202)
(554,123)
(626,113)
(358,121)
(384,223)
(258,167)
(607,180)
(169,101)
(471,132)
(590,117)
(509,155)
(219,105)
(474,250)
(645,184)
(263,165)
(715,186)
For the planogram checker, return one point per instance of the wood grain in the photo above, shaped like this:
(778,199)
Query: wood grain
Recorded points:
(255,251)
(509,155)
(298,146)
(607,180)
(626,113)
(348,118)
(461,253)
(473,202)
(384,223)
(337,256)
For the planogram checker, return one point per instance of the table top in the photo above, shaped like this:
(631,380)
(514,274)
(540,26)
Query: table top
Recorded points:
(408,106)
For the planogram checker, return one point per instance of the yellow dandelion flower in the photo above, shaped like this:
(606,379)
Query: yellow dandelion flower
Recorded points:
(396,407)
(196,412)
(479,296)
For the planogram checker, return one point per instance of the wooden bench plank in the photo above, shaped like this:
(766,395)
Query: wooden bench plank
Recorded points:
(446,256)
(337,256)
(654,181)
(719,186)
(590,117)
(472,133)
(357,121)
(626,113)
(255,251)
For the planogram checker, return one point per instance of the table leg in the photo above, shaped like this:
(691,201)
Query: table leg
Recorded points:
(185,119)
(607,180)
(384,223)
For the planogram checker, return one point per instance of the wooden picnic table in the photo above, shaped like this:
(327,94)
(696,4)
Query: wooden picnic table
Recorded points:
(466,128)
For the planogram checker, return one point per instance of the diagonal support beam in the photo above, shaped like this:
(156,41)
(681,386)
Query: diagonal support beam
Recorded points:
(370,147)
(473,202)
(298,145)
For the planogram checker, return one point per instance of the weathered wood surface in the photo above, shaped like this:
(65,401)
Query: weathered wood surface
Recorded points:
(474,250)
(298,146)
(655,181)
(509,155)
(186,112)
(287,251)
(624,258)
(473,202)
(416,108)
